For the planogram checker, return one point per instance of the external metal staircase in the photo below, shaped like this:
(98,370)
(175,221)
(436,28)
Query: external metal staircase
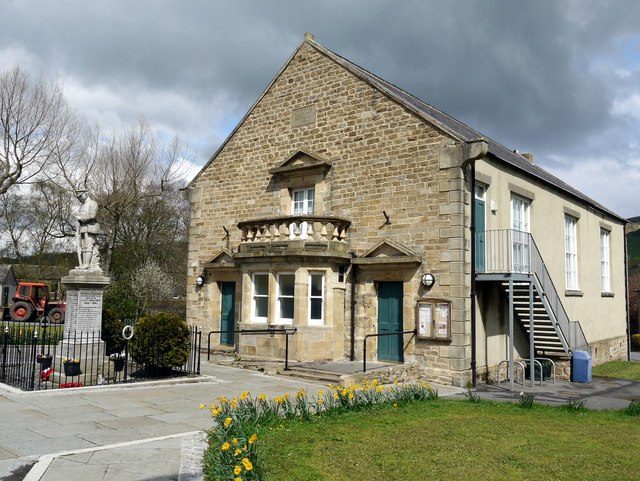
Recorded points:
(512,258)
(548,338)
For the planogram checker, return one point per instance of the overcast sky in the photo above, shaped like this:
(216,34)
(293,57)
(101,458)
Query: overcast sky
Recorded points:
(560,79)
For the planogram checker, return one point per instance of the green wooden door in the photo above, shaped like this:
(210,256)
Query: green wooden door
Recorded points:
(390,320)
(480,236)
(227,313)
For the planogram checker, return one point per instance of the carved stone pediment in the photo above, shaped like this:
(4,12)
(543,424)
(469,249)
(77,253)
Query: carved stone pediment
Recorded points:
(222,259)
(388,253)
(302,162)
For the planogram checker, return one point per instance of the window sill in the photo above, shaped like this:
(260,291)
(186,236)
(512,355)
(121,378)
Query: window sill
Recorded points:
(573,293)
(608,294)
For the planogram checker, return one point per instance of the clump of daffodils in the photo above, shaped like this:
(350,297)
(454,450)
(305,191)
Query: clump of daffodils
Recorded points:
(233,442)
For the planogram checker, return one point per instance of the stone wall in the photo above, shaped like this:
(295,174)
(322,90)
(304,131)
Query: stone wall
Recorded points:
(384,158)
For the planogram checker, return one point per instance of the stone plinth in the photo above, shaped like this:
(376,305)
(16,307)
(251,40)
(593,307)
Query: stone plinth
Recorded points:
(83,317)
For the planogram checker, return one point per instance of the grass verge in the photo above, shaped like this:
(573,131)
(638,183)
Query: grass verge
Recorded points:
(452,440)
(618,370)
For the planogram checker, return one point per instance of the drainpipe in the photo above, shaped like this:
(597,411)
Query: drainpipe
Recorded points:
(353,310)
(473,275)
(626,294)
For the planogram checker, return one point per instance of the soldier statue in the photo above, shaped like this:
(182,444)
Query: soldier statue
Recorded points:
(87,230)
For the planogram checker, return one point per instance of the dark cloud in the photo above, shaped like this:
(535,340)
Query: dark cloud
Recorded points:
(539,76)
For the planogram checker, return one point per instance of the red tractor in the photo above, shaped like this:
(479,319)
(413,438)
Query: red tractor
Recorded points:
(32,301)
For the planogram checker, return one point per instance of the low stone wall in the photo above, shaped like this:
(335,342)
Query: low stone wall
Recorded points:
(610,350)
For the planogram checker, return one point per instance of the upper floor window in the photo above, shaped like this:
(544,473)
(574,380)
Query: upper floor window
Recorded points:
(316,299)
(605,268)
(286,289)
(520,242)
(260,297)
(571,252)
(302,203)
(303,200)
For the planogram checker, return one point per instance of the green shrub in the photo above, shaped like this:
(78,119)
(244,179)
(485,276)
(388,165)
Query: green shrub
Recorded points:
(112,332)
(161,342)
(635,342)
(118,298)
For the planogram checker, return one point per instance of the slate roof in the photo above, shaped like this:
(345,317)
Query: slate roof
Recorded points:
(5,269)
(453,127)
(458,129)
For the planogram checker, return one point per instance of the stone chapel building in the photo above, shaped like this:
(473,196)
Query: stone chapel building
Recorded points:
(343,206)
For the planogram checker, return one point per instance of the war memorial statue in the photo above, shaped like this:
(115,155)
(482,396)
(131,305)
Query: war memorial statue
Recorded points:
(87,230)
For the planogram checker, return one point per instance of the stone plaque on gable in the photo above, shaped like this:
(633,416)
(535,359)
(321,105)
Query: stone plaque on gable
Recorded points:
(303,116)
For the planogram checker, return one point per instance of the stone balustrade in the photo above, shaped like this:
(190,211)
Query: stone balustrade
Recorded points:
(294,228)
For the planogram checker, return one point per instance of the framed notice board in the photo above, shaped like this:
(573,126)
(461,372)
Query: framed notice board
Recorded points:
(434,319)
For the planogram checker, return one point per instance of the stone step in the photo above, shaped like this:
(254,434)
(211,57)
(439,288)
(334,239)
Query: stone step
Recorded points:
(323,377)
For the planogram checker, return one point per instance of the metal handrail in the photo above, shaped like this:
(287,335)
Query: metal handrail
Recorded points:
(283,330)
(379,334)
(577,340)
(499,258)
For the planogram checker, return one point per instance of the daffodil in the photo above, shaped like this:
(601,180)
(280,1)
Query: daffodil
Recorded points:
(246,462)
(227,422)
(244,395)
(237,452)
(225,446)
(234,440)
(201,406)
(237,470)
(253,438)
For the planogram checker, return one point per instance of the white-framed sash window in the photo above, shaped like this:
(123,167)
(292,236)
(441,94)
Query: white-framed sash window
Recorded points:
(260,305)
(316,298)
(286,291)
(571,252)
(605,266)
(520,243)
(302,203)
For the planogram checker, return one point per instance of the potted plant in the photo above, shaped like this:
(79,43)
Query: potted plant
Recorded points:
(71,366)
(118,361)
(44,360)
(546,370)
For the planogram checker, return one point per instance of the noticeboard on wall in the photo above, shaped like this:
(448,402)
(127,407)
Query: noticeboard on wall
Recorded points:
(434,319)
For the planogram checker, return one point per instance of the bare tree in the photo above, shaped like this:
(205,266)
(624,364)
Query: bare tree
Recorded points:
(14,222)
(50,211)
(35,122)
(128,170)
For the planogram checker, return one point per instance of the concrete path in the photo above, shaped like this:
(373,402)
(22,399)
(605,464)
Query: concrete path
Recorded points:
(132,432)
(153,431)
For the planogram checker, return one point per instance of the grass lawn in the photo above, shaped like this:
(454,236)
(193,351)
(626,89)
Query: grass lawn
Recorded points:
(455,440)
(619,370)
(21,333)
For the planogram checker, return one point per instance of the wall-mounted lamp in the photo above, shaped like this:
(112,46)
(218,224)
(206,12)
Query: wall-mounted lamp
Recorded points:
(199,281)
(428,280)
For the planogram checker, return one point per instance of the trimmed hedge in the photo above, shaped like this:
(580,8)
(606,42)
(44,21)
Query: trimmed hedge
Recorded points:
(161,342)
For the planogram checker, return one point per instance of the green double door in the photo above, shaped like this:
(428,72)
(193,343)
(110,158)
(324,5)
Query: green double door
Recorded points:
(390,320)
(228,313)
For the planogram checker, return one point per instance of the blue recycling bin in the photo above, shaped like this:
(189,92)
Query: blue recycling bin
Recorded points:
(581,367)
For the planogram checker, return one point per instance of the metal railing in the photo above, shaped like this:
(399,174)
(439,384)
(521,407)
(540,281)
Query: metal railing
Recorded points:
(512,251)
(380,334)
(287,331)
(40,356)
